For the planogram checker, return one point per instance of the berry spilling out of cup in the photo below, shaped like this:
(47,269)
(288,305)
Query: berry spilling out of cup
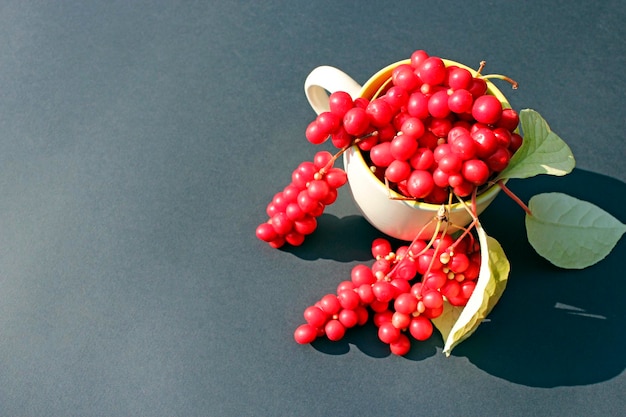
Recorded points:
(427,143)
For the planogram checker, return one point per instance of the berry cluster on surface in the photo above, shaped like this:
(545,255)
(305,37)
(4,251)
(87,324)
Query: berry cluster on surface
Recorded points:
(432,130)
(401,291)
(293,212)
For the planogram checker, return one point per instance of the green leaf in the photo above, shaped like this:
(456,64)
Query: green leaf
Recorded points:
(542,150)
(457,323)
(569,232)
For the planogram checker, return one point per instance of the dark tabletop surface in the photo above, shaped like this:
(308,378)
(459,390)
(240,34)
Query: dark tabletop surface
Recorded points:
(139,144)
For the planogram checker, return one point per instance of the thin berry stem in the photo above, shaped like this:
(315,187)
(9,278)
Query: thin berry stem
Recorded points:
(515,198)
(514,84)
(474,223)
(480,68)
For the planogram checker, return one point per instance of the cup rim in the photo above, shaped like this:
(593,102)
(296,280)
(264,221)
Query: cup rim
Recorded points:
(370,88)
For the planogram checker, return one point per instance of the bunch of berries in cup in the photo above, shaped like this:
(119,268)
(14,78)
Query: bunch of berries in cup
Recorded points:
(434,129)
(401,291)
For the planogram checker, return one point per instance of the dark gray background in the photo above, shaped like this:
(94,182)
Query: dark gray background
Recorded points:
(139,144)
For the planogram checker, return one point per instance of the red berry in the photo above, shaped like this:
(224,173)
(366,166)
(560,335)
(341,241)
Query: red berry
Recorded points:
(362,274)
(418,57)
(486,142)
(487,109)
(464,188)
(387,333)
(366,294)
(516,142)
(420,183)
(440,127)
(405,303)
(405,77)
(458,78)
(315,133)
(381,154)
(417,105)
(281,223)
(478,87)
(460,101)
(383,291)
(306,225)
(403,147)
(266,232)
(380,112)
(435,279)
(400,320)
(340,138)
(398,171)
(315,316)
(422,159)
(397,97)
(432,71)
(334,330)
(503,136)
(349,318)
(475,171)
(294,238)
(421,328)
(463,145)
(336,177)
(322,158)
(381,247)
(450,163)
(432,299)
(413,127)
(441,178)
(340,102)
(509,119)
(328,121)
(330,304)
(467,288)
(356,121)
(401,346)
(438,104)
(459,263)
(318,189)
(305,334)
(348,299)
(499,160)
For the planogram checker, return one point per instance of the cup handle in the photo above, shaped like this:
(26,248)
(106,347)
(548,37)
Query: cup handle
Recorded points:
(324,80)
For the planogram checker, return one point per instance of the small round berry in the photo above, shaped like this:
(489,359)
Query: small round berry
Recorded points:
(305,334)
(432,71)
(487,109)
(475,171)
(420,183)
(340,102)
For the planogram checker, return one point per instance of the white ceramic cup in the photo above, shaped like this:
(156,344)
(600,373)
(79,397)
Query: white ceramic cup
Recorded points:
(401,219)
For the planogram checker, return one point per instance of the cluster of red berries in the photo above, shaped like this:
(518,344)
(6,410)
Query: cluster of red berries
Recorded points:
(293,211)
(435,128)
(402,291)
